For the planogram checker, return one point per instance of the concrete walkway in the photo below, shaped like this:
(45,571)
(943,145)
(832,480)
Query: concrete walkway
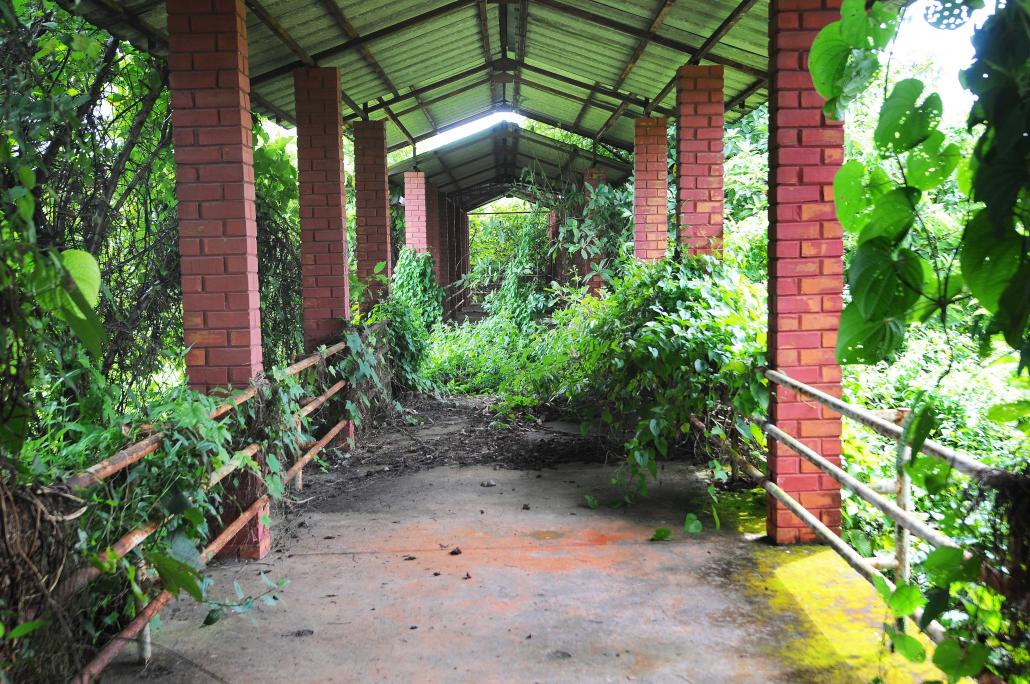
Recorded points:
(545,589)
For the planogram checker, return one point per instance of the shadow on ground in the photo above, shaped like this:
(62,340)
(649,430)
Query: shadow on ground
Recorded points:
(457,551)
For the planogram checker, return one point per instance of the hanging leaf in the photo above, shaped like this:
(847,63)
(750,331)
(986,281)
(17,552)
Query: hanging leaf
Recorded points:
(929,165)
(905,599)
(828,60)
(865,342)
(990,258)
(909,647)
(893,214)
(884,285)
(957,660)
(849,194)
(903,124)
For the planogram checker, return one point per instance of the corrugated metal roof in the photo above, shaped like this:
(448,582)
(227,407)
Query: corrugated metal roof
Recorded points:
(574,61)
(503,159)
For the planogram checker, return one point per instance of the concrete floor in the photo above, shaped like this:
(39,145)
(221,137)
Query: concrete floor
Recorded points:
(544,590)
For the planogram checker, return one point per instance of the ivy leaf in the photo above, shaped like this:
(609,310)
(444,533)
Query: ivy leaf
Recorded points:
(928,165)
(893,214)
(84,272)
(661,534)
(849,194)
(905,599)
(958,661)
(936,604)
(919,426)
(883,285)
(25,628)
(828,60)
(990,258)
(907,646)
(866,342)
(944,565)
(213,616)
(1014,307)
(903,124)
(176,575)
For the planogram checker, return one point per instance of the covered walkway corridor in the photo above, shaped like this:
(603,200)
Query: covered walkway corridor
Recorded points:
(544,589)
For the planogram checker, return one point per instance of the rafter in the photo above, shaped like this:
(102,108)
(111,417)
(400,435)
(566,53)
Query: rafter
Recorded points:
(348,30)
(611,120)
(743,95)
(400,126)
(281,33)
(702,52)
(656,38)
(520,51)
(443,129)
(601,90)
(484,39)
(354,43)
(425,109)
(391,101)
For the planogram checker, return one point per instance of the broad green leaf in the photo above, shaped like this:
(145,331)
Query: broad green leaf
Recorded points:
(591,501)
(884,285)
(84,272)
(25,629)
(1014,307)
(883,24)
(893,214)
(854,23)
(861,341)
(907,646)
(850,196)
(928,165)
(957,660)
(919,426)
(661,534)
(903,124)
(213,616)
(176,575)
(990,258)
(828,60)
(1009,412)
(937,294)
(936,603)
(905,599)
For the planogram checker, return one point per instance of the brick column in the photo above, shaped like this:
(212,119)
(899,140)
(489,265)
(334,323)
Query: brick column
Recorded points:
(650,188)
(416,215)
(805,267)
(323,236)
(433,229)
(372,202)
(700,112)
(443,252)
(214,172)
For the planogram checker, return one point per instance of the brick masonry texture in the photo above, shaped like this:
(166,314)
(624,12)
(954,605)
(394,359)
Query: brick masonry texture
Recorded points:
(323,237)
(372,208)
(214,172)
(805,265)
(700,113)
(650,189)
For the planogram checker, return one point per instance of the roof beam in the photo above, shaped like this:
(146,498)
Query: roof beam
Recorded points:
(281,33)
(611,120)
(702,52)
(440,98)
(425,110)
(551,121)
(728,23)
(348,30)
(443,129)
(665,41)
(520,51)
(586,105)
(390,101)
(484,39)
(397,122)
(569,96)
(601,90)
(741,97)
(346,46)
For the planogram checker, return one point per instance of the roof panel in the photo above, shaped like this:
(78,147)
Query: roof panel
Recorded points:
(418,44)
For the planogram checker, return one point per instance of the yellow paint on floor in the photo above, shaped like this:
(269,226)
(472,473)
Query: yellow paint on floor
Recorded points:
(832,619)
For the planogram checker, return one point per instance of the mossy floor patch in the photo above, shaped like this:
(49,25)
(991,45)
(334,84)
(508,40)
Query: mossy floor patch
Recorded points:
(832,619)
(743,511)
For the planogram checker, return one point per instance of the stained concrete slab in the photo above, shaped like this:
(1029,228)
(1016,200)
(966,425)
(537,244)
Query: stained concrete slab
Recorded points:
(545,589)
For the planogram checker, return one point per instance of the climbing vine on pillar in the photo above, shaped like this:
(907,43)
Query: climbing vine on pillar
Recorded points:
(977,279)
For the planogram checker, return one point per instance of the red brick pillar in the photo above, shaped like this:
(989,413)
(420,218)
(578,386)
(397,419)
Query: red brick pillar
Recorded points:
(650,188)
(805,267)
(416,215)
(323,233)
(372,202)
(214,172)
(443,251)
(700,113)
